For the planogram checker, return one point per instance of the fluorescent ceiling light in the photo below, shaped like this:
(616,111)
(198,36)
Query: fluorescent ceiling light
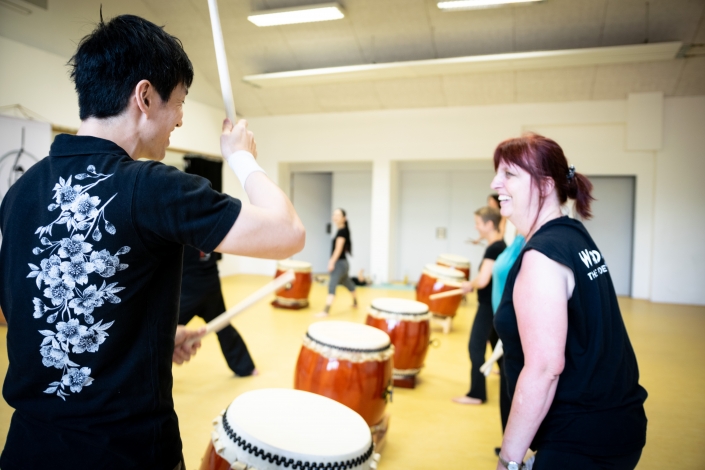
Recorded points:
(475,4)
(305,14)
(472,64)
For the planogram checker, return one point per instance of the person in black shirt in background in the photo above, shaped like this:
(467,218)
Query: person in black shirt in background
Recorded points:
(201,296)
(570,367)
(338,266)
(92,241)
(487,224)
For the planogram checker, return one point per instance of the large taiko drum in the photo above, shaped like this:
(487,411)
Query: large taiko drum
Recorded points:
(294,295)
(276,428)
(350,363)
(436,279)
(455,262)
(407,322)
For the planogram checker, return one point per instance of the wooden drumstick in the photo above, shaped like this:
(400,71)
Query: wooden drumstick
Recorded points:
(448,293)
(225,86)
(223,320)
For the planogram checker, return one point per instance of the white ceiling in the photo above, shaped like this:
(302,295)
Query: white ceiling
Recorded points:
(376,31)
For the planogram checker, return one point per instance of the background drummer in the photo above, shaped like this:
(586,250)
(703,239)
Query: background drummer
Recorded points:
(338,266)
(487,221)
(201,296)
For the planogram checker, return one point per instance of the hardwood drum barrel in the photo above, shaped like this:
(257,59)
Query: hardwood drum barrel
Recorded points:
(295,295)
(436,279)
(276,428)
(455,262)
(350,363)
(407,322)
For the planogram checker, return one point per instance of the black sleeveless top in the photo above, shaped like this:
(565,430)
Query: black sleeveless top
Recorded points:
(598,405)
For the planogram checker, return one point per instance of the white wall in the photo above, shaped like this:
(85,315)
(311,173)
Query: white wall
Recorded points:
(679,218)
(594,135)
(600,137)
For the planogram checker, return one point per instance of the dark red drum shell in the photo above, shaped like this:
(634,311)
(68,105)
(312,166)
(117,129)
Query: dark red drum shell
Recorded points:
(410,340)
(300,288)
(361,386)
(465,271)
(213,461)
(446,306)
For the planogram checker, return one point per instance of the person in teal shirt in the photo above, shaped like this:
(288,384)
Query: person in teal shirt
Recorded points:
(500,270)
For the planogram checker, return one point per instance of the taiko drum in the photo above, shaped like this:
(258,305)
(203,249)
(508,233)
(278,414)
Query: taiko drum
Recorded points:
(436,279)
(350,363)
(407,324)
(455,262)
(263,429)
(294,295)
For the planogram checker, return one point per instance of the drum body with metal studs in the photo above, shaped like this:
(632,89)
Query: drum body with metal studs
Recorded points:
(436,279)
(408,326)
(294,295)
(455,262)
(273,428)
(350,363)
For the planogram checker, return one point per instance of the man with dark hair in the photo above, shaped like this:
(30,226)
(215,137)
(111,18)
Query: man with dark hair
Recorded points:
(93,243)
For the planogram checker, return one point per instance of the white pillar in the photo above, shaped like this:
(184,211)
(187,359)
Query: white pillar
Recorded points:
(380,245)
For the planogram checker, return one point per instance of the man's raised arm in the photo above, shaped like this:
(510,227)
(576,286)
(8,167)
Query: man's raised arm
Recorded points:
(268,227)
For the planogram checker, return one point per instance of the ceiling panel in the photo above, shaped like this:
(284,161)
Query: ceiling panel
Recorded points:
(616,81)
(692,78)
(377,31)
(569,84)
(479,89)
(347,97)
(411,93)
(573,24)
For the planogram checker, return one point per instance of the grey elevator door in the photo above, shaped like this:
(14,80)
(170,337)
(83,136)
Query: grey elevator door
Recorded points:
(312,196)
(612,226)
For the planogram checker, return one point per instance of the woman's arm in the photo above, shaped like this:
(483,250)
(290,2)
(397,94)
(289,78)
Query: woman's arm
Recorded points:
(339,245)
(482,279)
(541,294)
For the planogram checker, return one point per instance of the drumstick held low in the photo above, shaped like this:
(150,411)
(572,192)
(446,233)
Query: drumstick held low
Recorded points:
(448,293)
(223,320)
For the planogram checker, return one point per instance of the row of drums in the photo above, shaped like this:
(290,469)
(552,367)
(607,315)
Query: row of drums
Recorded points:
(335,418)
(446,274)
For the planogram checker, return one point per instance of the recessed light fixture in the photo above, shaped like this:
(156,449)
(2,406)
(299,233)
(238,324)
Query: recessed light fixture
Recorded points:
(304,14)
(455,5)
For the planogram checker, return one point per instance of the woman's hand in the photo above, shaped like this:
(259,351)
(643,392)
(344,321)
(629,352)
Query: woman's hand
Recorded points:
(466,286)
(184,346)
(331,266)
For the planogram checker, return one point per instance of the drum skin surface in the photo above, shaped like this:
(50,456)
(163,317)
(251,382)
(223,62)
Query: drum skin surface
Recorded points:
(410,340)
(296,296)
(447,306)
(361,386)
(212,461)
(464,270)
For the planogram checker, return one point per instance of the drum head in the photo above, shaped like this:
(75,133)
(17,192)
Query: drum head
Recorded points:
(442,271)
(456,260)
(294,264)
(400,306)
(349,336)
(293,424)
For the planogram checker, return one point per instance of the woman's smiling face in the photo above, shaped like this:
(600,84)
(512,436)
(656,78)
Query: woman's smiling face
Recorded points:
(518,197)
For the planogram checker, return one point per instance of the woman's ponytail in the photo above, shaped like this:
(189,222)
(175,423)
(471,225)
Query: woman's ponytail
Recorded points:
(580,189)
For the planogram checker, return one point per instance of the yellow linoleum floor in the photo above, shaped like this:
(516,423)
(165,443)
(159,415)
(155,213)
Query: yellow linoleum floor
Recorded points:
(428,431)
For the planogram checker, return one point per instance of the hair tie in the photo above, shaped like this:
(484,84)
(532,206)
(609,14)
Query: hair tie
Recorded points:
(571,172)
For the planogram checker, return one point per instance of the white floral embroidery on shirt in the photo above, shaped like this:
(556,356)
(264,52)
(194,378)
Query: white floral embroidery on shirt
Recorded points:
(71,264)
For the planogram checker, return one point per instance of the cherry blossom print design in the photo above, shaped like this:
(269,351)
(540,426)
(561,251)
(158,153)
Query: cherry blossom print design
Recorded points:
(69,276)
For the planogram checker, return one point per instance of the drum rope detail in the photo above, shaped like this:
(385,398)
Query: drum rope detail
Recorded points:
(396,316)
(289,462)
(341,348)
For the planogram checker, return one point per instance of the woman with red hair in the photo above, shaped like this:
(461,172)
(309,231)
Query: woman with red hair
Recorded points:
(572,372)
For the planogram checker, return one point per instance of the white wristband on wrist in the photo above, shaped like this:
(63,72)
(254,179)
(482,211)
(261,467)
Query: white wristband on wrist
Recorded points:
(243,164)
